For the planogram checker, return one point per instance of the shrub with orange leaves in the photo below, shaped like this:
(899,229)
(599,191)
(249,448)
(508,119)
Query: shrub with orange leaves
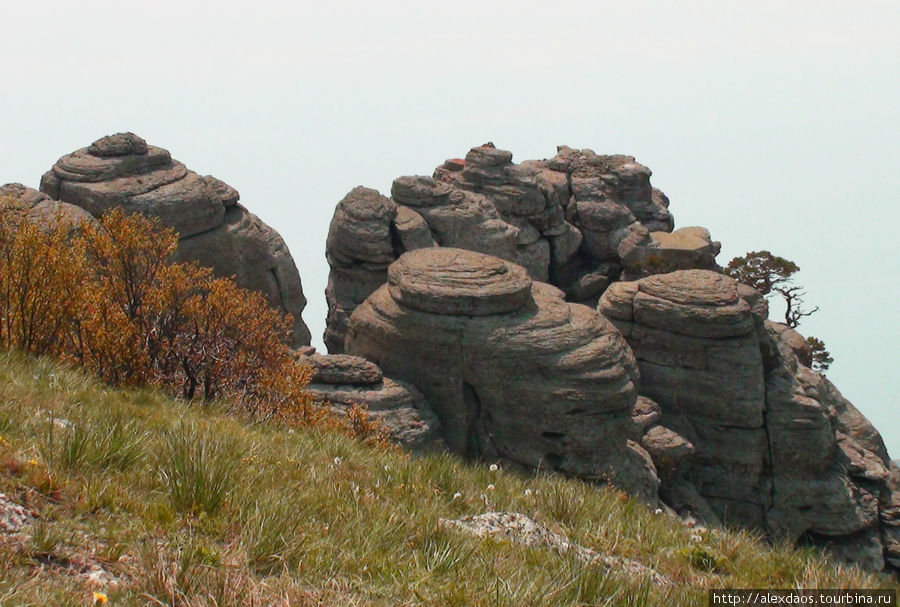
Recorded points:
(39,266)
(111,299)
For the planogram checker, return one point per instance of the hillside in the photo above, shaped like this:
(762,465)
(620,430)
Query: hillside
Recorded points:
(154,502)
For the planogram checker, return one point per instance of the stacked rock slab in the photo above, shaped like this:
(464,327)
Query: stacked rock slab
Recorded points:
(578,221)
(512,370)
(342,381)
(777,447)
(214,229)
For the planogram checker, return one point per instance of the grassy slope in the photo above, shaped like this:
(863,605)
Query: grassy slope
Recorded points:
(190,507)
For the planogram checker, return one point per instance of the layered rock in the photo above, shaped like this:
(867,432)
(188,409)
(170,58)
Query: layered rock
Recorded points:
(342,381)
(577,221)
(777,447)
(214,229)
(512,370)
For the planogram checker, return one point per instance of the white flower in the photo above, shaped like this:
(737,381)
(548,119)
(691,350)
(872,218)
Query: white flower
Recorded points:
(696,538)
(457,495)
(494,467)
(337,461)
(527,492)
(490,487)
(657,511)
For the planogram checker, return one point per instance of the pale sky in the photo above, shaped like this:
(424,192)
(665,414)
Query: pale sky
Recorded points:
(773,123)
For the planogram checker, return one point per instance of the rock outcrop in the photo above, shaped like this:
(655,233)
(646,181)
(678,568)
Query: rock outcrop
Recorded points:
(777,447)
(737,427)
(578,221)
(123,171)
(512,370)
(341,381)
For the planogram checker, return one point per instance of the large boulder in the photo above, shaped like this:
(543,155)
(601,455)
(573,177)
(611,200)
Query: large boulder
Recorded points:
(123,171)
(777,447)
(512,370)
(577,221)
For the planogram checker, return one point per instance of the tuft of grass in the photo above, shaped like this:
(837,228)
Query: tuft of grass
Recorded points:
(197,469)
(272,535)
(107,444)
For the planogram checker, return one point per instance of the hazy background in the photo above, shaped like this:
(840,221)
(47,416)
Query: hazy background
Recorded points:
(774,124)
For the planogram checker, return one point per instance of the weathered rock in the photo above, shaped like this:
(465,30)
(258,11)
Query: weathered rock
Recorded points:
(455,282)
(359,249)
(399,406)
(340,369)
(683,249)
(574,221)
(13,517)
(667,448)
(777,447)
(510,368)
(645,414)
(342,380)
(120,144)
(520,529)
(123,171)
(37,207)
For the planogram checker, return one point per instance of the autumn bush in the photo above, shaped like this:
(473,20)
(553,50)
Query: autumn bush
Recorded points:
(108,296)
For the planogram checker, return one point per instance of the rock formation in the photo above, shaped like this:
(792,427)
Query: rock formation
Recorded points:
(511,369)
(342,380)
(777,447)
(214,229)
(459,304)
(579,221)
(731,423)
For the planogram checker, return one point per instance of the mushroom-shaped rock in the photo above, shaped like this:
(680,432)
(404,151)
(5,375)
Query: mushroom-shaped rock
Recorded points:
(510,368)
(123,171)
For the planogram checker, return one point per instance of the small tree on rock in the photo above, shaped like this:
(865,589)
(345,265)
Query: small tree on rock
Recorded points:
(821,358)
(768,273)
(762,270)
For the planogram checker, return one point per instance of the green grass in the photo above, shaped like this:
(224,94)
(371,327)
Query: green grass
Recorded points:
(189,506)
